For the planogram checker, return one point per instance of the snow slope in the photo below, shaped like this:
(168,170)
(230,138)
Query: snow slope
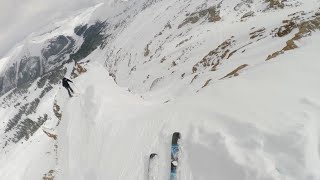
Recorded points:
(243,92)
(261,125)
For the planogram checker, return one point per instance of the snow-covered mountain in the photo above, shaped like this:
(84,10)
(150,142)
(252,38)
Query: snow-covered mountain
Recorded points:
(238,79)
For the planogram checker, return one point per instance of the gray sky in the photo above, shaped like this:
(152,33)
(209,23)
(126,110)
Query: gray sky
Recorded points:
(19,18)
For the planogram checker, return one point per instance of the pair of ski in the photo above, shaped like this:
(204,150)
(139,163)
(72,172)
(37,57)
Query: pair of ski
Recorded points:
(153,160)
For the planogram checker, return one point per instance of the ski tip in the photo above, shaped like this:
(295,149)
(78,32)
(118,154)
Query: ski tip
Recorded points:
(175,137)
(153,155)
(176,134)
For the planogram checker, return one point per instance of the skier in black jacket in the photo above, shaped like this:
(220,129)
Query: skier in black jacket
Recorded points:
(67,86)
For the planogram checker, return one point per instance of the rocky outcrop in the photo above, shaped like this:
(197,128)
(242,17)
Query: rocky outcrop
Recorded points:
(57,52)
(275,3)
(93,38)
(28,68)
(212,14)
(287,28)
(305,28)
(213,58)
(235,72)
(79,30)
(247,15)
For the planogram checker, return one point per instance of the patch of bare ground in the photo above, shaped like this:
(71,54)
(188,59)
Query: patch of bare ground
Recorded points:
(235,72)
(305,28)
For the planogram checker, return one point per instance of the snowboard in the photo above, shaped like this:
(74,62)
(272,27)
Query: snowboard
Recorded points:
(153,167)
(174,155)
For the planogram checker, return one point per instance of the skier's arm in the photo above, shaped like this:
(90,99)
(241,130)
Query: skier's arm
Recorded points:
(69,80)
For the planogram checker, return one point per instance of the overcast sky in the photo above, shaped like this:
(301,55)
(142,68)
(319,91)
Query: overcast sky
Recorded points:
(19,18)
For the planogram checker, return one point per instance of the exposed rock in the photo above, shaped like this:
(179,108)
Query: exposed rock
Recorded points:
(29,70)
(194,78)
(147,50)
(246,3)
(257,33)
(286,29)
(148,4)
(212,15)
(49,176)
(56,110)
(305,29)
(194,69)
(9,79)
(56,52)
(275,3)
(214,57)
(163,59)
(50,135)
(235,72)
(92,39)
(79,30)
(77,70)
(207,83)
(168,25)
(246,15)
(192,20)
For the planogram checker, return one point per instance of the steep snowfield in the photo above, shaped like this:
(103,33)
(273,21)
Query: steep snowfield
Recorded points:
(261,125)
(198,67)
